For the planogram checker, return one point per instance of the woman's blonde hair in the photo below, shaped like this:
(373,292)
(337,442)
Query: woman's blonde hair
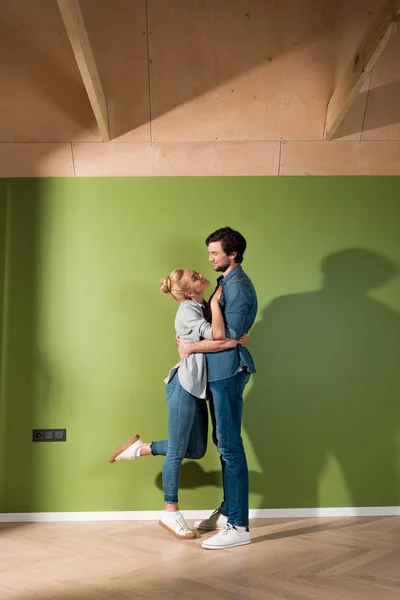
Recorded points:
(172,284)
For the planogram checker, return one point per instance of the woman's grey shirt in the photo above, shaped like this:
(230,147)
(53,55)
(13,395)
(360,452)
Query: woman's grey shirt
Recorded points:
(191,326)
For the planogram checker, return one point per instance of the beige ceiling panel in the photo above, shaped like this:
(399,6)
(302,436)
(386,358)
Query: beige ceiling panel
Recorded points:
(382,120)
(351,127)
(132,159)
(42,94)
(35,160)
(118,35)
(351,21)
(340,158)
(239,69)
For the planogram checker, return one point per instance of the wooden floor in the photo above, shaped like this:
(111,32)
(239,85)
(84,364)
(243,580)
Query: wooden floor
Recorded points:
(296,559)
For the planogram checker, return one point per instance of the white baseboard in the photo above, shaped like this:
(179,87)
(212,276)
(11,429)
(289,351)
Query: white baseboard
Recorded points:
(153,515)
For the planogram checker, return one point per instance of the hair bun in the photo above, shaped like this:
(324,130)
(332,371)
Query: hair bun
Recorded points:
(165,285)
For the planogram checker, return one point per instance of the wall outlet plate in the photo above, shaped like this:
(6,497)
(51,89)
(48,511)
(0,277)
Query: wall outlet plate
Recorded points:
(49,435)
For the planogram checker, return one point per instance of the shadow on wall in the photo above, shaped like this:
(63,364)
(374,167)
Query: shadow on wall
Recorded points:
(3,259)
(327,384)
(19,344)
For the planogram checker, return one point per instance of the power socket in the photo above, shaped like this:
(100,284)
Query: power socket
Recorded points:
(49,435)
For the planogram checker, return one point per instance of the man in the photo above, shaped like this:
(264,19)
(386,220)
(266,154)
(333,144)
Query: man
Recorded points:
(228,373)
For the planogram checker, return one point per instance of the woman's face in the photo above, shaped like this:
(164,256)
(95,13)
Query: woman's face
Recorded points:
(195,281)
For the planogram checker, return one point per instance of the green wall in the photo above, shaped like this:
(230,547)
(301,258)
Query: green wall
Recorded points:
(4,186)
(90,337)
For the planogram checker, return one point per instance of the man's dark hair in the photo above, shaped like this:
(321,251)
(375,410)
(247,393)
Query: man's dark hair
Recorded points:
(231,241)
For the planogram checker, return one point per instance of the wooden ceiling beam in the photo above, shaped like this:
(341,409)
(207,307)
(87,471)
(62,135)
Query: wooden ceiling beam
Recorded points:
(74,24)
(375,40)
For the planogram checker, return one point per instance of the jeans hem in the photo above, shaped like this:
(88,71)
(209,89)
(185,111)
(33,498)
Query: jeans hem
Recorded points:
(169,499)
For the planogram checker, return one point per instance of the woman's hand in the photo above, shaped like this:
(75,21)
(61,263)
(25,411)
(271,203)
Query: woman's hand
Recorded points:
(184,348)
(244,340)
(217,296)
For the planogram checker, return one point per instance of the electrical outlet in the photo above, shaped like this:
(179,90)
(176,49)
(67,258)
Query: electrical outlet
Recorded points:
(49,435)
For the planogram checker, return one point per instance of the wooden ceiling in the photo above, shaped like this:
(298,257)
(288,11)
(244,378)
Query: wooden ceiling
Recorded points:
(199,87)
(197,70)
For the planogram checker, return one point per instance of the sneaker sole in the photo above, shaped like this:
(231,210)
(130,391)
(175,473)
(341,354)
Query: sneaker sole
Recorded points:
(204,545)
(187,536)
(122,448)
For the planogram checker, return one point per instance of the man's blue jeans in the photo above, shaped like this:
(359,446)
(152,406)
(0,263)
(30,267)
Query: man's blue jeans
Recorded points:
(187,435)
(226,407)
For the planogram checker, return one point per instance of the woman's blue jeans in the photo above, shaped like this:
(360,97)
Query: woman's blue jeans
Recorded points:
(187,435)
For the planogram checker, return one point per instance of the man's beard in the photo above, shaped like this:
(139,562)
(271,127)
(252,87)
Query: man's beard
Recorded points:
(222,268)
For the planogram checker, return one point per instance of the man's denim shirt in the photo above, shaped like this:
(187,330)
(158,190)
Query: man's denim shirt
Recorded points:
(239,307)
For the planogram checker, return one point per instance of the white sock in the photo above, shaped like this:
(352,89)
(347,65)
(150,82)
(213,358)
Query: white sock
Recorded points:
(240,529)
(171,514)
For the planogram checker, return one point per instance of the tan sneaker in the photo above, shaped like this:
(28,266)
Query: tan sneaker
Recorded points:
(128,450)
(177,526)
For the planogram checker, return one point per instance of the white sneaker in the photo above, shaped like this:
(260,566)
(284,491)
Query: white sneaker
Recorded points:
(215,521)
(128,450)
(229,537)
(177,526)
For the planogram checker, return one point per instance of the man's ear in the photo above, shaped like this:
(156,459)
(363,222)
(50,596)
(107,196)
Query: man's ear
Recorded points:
(233,255)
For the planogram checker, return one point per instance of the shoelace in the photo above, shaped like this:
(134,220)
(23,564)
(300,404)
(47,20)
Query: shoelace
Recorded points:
(180,521)
(228,527)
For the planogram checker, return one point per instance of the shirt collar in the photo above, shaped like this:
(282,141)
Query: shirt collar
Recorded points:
(198,303)
(222,280)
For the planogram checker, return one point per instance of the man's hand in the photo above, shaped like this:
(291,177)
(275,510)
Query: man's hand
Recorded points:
(184,348)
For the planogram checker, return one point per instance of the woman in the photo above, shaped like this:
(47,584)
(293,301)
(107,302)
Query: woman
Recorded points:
(185,393)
